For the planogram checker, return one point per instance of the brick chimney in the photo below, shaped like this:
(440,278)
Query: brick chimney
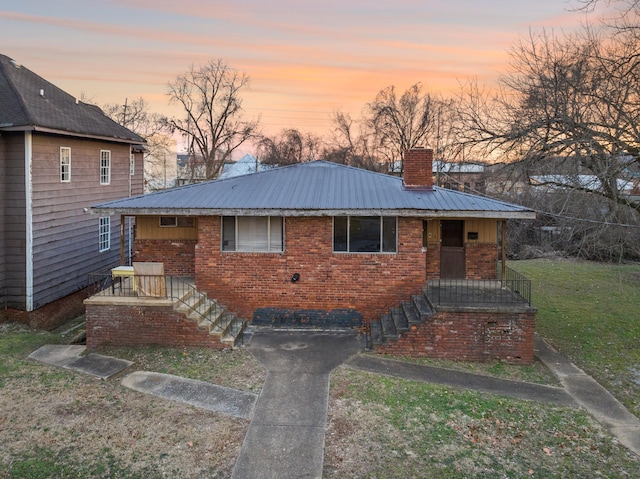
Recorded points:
(418,169)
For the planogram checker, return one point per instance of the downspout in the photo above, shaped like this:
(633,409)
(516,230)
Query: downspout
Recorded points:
(28,200)
(504,250)
(122,219)
(132,157)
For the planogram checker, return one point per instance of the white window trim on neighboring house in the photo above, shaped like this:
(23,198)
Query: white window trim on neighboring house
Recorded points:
(105,167)
(104,234)
(132,164)
(252,234)
(349,235)
(65,164)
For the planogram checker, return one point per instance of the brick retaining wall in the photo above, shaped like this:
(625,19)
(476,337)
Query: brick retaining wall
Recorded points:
(110,323)
(471,335)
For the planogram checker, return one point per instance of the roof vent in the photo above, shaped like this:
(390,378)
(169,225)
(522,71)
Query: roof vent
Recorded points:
(42,92)
(14,63)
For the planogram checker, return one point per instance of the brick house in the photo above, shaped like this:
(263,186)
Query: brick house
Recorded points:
(320,244)
(58,155)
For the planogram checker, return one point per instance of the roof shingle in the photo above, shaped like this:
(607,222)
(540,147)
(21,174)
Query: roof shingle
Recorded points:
(28,101)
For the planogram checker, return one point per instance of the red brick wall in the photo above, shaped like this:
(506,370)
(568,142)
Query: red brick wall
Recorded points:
(178,256)
(136,325)
(368,283)
(470,335)
(433,260)
(52,315)
(480,260)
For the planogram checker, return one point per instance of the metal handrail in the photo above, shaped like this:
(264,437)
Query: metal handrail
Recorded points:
(510,288)
(170,287)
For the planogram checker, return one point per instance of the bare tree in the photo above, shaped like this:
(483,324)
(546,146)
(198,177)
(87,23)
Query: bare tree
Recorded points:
(160,148)
(352,143)
(570,100)
(288,147)
(400,123)
(212,122)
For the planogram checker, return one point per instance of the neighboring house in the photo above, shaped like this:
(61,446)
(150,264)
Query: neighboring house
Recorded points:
(462,176)
(58,156)
(245,165)
(321,244)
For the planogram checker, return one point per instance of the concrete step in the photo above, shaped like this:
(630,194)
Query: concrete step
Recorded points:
(388,327)
(376,332)
(209,315)
(400,320)
(234,333)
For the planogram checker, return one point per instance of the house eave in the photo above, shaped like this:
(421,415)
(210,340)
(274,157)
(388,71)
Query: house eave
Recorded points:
(524,215)
(54,131)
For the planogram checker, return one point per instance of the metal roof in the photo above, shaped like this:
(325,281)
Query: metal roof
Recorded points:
(315,188)
(29,102)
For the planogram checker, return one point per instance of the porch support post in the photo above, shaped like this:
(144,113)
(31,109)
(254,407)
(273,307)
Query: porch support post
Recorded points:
(122,218)
(503,266)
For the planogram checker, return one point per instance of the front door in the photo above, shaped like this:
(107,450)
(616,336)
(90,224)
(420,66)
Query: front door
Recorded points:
(452,249)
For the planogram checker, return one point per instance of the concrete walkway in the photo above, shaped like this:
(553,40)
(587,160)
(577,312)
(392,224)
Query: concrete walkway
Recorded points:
(288,420)
(589,394)
(286,435)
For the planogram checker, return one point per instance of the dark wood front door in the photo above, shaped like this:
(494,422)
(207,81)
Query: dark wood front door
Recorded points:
(452,249)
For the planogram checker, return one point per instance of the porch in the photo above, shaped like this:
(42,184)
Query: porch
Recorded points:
(156,309)
(458,319)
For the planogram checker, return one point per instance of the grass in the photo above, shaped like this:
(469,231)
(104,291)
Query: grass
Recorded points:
(393,428)
(55,423)
(591,312)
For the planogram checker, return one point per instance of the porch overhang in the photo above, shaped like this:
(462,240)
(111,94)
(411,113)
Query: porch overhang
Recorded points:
(406,213)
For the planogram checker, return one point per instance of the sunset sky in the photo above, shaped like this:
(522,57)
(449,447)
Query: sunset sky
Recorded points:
(305,59)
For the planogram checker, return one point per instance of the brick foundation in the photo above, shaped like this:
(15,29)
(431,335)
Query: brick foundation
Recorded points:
(113,324)
(472,335)
(178,256)
(51,315)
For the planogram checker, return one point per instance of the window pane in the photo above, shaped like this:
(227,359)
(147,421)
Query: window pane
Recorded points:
(364,234)
(228,233)
(65,164)
(104,233)
(389,234)
(340,233)
(275,239)
(105,167)
(253,233)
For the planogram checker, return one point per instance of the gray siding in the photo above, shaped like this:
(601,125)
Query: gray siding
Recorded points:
(65,237)
(3,202)
(13,236)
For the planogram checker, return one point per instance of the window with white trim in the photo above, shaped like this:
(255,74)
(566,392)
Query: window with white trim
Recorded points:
(252,233)
(132,164)
(365,234)
(104,234)
(65,164)
(105,167)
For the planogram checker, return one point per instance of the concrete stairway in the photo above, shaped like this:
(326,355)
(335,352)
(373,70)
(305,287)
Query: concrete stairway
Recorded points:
(400,319)
(211,316)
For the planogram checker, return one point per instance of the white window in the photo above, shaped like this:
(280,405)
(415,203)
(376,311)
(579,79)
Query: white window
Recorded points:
(132,164)
(252,233)
(105,167)
(65,164)
(104,234)
(365,234)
